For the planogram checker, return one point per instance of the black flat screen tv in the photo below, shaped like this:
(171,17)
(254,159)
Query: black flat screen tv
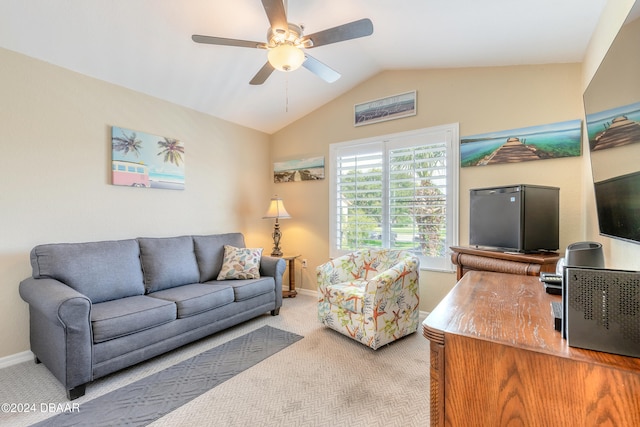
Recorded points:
(618,205)
(612,113)
(517,218)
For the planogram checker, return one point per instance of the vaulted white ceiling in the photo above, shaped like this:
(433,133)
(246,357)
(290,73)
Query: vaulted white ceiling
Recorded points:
(146,45)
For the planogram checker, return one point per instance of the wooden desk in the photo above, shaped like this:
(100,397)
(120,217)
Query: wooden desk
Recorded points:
(497,360)
(469,258)
(291,261)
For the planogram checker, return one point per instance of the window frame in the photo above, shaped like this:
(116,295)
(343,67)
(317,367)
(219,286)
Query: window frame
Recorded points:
(450,134)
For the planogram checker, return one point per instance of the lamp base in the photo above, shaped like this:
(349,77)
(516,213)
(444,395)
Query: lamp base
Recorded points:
(277,252)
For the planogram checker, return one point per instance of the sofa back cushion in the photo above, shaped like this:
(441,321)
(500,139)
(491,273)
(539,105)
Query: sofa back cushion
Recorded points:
(210,252)
(168,262)
(102,271)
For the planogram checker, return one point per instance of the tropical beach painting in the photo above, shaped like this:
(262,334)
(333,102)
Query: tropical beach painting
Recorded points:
(299,170)
(549,141)
(614,127)
(144,160)
(389,108)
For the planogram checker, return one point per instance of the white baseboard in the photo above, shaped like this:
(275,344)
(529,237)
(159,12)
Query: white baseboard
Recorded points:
(307,292)
(14,359)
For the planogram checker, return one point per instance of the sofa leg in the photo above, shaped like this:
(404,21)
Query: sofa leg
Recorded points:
(275,312)
(76,392)
(35,359)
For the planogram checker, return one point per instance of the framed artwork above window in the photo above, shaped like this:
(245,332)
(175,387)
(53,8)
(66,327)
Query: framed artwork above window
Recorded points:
(389,108)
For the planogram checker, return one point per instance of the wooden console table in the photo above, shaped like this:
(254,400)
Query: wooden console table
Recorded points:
(469,258)
(496,360)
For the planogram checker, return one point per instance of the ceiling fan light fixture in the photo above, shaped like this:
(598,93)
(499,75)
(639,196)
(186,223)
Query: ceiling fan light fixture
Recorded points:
(286,43)
(285,57)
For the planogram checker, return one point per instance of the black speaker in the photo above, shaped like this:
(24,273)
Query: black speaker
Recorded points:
(602,310)
(584,254)
(579,254)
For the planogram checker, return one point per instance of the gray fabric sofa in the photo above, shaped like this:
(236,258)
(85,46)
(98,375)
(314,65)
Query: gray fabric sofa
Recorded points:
(99,307)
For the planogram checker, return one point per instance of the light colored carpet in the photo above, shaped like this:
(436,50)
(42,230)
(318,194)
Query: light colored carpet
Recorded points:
(144,401)
(325,379)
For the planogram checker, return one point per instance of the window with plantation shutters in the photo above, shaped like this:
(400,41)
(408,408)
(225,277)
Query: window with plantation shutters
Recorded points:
(398,191)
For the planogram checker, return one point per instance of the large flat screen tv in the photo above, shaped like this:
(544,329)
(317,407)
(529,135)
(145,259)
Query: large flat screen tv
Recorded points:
(612,107)
(618,204)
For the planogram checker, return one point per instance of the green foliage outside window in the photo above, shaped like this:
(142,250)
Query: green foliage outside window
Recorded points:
(415,199)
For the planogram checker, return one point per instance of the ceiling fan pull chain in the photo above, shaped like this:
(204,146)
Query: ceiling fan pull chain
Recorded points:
(286,93)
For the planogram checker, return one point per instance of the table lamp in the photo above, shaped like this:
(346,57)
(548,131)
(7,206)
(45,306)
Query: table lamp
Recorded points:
(276,210)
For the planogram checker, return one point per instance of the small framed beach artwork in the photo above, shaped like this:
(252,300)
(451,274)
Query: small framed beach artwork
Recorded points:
(551,141)
(383,109)
(144,160)
(310,169)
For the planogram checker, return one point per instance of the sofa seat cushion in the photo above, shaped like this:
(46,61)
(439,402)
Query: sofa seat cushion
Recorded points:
(348,295)
(168,262)
(249,288)
(196,298)
(113,319)
(101,271)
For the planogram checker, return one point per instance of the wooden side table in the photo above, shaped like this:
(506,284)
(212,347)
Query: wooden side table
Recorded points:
(291,261)
(468,258)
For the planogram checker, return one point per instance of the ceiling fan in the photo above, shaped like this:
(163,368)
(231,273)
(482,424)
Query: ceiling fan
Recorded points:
(286,41)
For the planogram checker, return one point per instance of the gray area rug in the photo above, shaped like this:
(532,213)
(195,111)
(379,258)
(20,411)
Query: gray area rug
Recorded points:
(150,398)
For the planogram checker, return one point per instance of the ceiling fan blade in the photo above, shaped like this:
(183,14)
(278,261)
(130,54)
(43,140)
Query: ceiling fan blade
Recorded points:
(262,75)
(352,30)
(277,15)
(225,42)
(320,69)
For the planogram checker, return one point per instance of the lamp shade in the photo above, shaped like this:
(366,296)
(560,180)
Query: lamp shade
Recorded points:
(276,209)
(285,57)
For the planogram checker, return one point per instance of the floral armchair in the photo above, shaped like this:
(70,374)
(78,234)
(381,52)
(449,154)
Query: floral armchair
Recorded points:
(371,295)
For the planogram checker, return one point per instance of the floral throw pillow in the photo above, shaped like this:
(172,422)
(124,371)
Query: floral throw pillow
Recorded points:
(240,263)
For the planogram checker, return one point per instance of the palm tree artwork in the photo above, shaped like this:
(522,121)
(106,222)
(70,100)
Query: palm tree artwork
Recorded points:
(141,159)
(127,143)
(172,150)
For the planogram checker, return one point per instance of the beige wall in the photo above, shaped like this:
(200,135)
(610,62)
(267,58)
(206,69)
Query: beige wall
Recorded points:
(618,254)
(50,117)
(55,132)
(481,100)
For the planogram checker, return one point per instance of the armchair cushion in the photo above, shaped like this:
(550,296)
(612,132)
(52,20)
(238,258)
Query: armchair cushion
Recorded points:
(348,295)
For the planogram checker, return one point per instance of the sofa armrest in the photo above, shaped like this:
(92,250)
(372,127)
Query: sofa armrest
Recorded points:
(53,299)
(60,329)
(274,267)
